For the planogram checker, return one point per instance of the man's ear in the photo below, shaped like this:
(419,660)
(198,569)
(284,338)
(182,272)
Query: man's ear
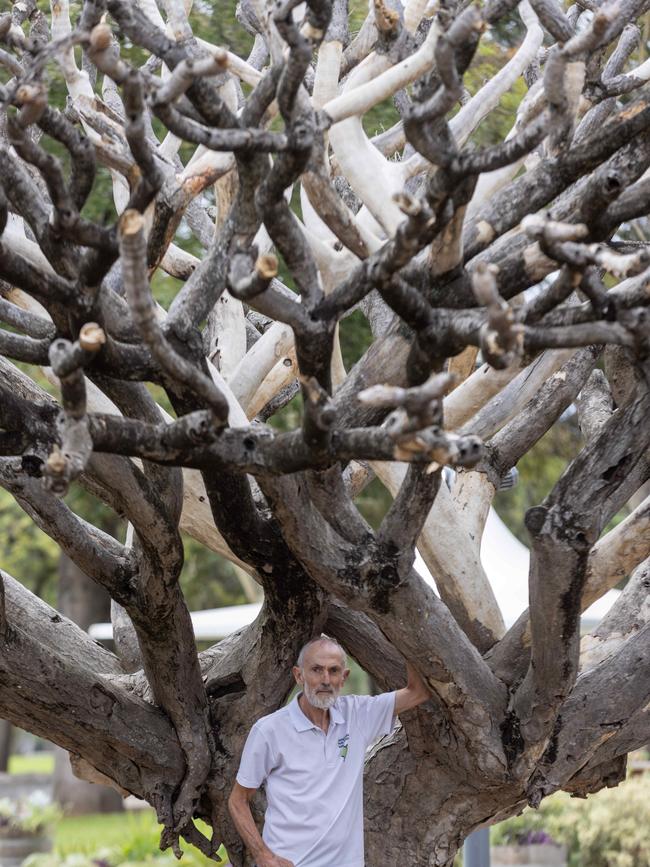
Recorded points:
(297,673)
(346,674)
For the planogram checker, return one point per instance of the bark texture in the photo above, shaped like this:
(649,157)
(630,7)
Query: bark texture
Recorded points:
(437,249)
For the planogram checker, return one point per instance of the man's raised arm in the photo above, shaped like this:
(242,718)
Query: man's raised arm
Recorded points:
(240,811)
(414,693)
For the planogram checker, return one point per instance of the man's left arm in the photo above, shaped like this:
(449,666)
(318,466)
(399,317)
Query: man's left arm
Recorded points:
(414,693)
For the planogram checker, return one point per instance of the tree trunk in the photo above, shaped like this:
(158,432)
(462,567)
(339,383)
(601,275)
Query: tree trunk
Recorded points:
(77,797)
(84,602)
(6,738)
(80,599)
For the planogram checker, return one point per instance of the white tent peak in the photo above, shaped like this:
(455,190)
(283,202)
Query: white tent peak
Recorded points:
(506,561)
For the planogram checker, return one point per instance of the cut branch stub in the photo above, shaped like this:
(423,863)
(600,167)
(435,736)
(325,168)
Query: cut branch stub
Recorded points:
(67,463)
(414,423)
(501,338)
(33,101)
(421,405)
(323,410)
(247,283)
(439,447)
(91,337)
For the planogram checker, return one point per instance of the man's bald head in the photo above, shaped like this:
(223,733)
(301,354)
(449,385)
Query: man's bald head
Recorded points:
(324,640)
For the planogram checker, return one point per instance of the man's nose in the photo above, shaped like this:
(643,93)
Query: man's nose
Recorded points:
(326,678)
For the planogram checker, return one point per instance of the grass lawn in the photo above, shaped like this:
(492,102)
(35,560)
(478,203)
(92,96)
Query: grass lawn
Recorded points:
(136,830)
(32,763)
(140,829)
(88,833)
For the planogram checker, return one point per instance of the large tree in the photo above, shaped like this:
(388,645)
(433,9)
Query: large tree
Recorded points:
(435,237)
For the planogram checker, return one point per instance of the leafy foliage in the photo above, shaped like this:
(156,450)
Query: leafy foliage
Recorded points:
(539,470)
(208,581)
(138,847)
(608,829)
(33,815)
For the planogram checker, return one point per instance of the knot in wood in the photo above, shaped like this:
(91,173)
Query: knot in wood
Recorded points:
(101,699)
(301,136)
(31,465)
(535,519)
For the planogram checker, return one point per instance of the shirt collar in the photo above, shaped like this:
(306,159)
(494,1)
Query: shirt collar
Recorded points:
(302,723)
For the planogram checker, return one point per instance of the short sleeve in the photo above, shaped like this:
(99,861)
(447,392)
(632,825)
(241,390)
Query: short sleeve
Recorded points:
(256,760)
(376,715)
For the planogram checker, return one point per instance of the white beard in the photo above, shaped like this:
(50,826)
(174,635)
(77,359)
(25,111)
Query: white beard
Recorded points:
(322,701)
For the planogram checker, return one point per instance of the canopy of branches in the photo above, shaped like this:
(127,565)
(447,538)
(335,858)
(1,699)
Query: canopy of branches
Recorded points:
(229,413)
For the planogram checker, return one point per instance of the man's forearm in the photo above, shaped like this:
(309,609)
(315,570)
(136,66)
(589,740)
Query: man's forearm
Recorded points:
(242,817)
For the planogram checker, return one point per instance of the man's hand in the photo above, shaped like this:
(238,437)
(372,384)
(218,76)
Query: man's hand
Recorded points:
(414,693)
(273,860)
(239,806)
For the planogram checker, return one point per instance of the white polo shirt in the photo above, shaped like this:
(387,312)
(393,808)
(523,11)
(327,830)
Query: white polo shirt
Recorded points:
(313,780)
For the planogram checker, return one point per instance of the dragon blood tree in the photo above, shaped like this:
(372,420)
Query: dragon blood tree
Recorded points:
(435,237)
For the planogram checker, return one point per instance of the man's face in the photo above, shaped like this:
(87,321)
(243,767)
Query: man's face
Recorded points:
(322,675)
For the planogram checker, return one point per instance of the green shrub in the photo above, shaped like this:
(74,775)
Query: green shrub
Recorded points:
(139,848)
(616,832)
(101,859)
(32,815)
(608,829)
(114,858)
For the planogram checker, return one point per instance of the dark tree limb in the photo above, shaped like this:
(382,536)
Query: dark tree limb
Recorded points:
(133,249)
(562,538)
(98,555)
(135,746)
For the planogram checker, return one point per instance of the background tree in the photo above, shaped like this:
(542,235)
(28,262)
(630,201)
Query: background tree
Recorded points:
(83,602)
(229,414)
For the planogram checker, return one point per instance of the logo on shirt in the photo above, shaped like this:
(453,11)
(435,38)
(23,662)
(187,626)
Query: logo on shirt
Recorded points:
(343,746)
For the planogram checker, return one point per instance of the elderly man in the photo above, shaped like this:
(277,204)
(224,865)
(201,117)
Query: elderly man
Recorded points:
(310,757)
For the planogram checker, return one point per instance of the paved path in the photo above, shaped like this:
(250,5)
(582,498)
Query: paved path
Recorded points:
(22,785)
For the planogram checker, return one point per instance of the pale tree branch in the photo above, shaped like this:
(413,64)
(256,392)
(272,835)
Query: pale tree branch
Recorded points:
(627,616)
